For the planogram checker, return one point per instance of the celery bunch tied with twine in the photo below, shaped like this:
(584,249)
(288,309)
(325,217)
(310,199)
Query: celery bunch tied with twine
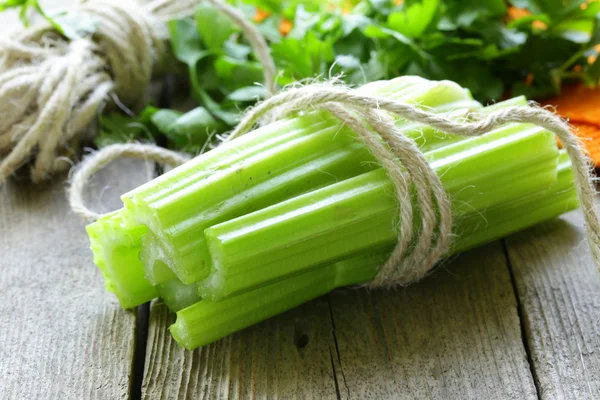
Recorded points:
(332,196)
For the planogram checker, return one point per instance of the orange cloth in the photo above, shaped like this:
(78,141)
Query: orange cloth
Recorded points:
(581,106)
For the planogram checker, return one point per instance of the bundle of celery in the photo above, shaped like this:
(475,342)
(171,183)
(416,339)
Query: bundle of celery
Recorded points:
(299,207)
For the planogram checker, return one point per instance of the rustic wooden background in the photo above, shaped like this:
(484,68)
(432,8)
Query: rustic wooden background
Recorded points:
(516,319)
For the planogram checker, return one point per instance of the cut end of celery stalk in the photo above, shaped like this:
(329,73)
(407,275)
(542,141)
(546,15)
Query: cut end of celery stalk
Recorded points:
(116,253)
(181,333)
(177,295)
(155,261)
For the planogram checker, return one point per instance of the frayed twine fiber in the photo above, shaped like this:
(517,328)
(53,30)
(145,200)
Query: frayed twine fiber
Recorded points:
(51,88)
(418,251)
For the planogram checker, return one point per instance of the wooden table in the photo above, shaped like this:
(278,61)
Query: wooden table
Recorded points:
(516,319)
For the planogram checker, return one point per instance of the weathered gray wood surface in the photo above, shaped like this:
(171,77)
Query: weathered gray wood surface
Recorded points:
(455,334)
(265,361)
(61,335)
(559,291)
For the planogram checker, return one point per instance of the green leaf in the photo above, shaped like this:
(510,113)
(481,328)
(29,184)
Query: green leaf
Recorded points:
(248,93)
(463,13)
(229,117)
(24,6)
(376,31)
(497,33)
(164,119)
(186,42)
(214,27)
(6,4)
(413,20)
(236,50)
(356,44)
(526,22)
(304,58)
(553,8)
(191,130)
(359,73)
(352,22)
(382,6)
(347,62)
(235,73)
(119,128)
(270,29)
(578,30)
(303,22)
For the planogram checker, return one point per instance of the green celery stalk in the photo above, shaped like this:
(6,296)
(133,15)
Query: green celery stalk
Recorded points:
(441,95)
(432,139)
(155,261)
(358,214)
(188,205)
(177,295)
(116,253)
(206,321)
(522,212)
(153,255)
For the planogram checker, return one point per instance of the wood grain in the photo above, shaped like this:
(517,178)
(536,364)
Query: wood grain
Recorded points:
(559,291)
(61,335)
(456,334)
(289,356)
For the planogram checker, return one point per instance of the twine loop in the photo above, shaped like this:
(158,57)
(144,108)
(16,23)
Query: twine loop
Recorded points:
(100,159)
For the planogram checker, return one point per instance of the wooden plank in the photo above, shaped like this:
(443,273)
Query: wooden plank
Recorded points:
(61,336)
(289,356)
(455,334)
(559,292)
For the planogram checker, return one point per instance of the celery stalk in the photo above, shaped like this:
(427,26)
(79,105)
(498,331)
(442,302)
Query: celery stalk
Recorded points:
(155,261)
(206,321)
(189,200)
(358,214)
(177,295)
(116,253)
(155,258)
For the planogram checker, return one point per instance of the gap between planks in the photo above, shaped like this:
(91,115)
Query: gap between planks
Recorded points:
(558,287)
(62,336)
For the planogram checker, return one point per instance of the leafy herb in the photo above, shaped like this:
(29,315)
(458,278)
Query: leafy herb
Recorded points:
(184,131)
(494,48)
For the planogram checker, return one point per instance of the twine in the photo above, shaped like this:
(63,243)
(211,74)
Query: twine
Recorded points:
(51,88)
(100,159)
(417,251)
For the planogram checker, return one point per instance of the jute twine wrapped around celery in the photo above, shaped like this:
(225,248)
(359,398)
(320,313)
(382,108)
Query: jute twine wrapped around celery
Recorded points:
(52,88)
(60,85)
(416,252)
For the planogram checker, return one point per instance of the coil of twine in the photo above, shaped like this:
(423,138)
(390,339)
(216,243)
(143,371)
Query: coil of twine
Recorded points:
(51,88)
